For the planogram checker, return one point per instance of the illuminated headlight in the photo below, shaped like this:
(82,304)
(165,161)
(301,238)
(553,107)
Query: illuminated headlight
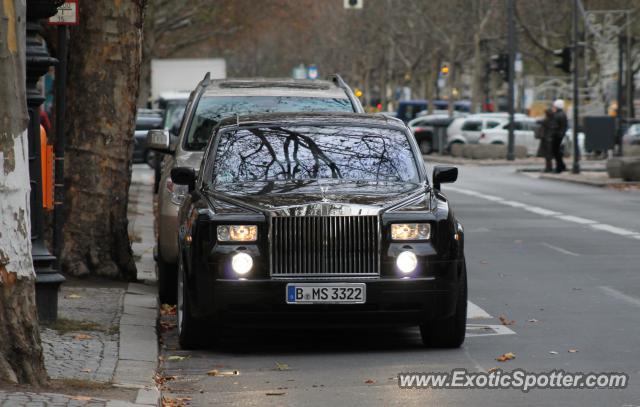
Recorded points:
(178,192)
(241,263)
(237,233)
(411,231)
(407,262)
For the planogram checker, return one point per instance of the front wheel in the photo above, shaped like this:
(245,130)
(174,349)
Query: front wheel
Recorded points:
(449,332)
(189,328)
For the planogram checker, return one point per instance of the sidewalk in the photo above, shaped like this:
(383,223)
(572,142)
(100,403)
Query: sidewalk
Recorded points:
(103,349)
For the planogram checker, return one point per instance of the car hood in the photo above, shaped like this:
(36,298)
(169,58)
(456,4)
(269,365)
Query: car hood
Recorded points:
(317,197)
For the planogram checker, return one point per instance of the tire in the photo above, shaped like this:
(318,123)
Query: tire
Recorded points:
(167,281)
(449,332)
(425,146)
(190,329)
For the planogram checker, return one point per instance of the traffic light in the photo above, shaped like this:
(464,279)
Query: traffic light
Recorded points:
(444,69)
(563,60)
(500,63)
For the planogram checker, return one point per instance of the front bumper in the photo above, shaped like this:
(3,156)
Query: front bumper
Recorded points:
(388,302)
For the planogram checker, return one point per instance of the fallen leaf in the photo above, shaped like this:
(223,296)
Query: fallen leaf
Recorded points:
(216,372)
(282,366)
(74,296)
(166,326)
(493,369)
(82,337)
(573,350)
(369,381)
(176,358)
(166,309)
(505,357)
(533,320)
(275,393)
(506,321)
(553,352)
(81,398)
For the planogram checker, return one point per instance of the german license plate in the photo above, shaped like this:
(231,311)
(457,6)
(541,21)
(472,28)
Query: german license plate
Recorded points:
(326,293)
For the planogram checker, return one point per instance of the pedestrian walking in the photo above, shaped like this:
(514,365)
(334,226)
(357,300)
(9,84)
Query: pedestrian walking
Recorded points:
(558,129)
(543,133)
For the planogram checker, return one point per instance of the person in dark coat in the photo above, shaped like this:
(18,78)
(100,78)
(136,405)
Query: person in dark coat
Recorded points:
(543,133)
(558,129)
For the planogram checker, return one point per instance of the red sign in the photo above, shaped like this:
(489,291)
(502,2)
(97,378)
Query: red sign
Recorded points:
(68,14)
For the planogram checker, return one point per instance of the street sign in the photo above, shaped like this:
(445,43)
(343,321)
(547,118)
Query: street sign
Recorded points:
(312,72)
(299,72)
(68,14)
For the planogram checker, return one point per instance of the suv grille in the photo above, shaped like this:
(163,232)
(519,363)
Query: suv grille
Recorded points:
(325,246)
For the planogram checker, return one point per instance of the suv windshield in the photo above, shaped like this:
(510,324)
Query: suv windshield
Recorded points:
(211,110)
(300,153)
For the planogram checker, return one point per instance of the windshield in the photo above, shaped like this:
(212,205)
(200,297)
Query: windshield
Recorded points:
(211,110)
(300,153)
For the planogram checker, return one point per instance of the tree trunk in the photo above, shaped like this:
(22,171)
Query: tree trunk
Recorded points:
(104,70)
(21,358)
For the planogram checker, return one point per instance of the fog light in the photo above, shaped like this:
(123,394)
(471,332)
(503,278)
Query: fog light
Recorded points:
(407,262)
(241,263)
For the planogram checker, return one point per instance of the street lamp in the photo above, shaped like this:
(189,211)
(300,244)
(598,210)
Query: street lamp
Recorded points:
(38,60)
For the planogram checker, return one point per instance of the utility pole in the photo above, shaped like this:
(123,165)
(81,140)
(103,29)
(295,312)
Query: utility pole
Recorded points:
(512,53)
(576,53)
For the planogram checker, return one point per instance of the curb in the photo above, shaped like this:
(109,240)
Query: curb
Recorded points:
(138,355)
(591,183)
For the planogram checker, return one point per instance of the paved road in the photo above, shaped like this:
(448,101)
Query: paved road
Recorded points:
(563,255)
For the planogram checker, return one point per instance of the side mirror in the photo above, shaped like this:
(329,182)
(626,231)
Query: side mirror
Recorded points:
(158,140)
(444,174)
(184,176)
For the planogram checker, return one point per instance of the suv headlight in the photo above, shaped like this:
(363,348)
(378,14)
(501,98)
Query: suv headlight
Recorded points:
(178,192)
(237,233)
(411,231)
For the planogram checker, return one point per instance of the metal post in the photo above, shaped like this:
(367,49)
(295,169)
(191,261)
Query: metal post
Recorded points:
(620,93)
(38,62)
(576,97)
(61,84)
(512,52)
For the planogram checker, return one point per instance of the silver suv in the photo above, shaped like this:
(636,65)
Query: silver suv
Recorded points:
(210,102)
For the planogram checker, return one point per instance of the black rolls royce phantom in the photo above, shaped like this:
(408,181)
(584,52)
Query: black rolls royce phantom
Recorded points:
(316,218)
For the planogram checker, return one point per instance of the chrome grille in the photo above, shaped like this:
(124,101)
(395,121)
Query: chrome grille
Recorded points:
(324,246)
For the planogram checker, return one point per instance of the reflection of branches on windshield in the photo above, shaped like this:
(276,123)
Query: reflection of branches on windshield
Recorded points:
(265,143)
(316,152)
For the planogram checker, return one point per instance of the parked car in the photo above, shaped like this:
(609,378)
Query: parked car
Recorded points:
(426,130)
(212,101)
(467,130)
(352,233)
(172,105)
(524,134)
(410,109)
(632,136)
(146,119)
